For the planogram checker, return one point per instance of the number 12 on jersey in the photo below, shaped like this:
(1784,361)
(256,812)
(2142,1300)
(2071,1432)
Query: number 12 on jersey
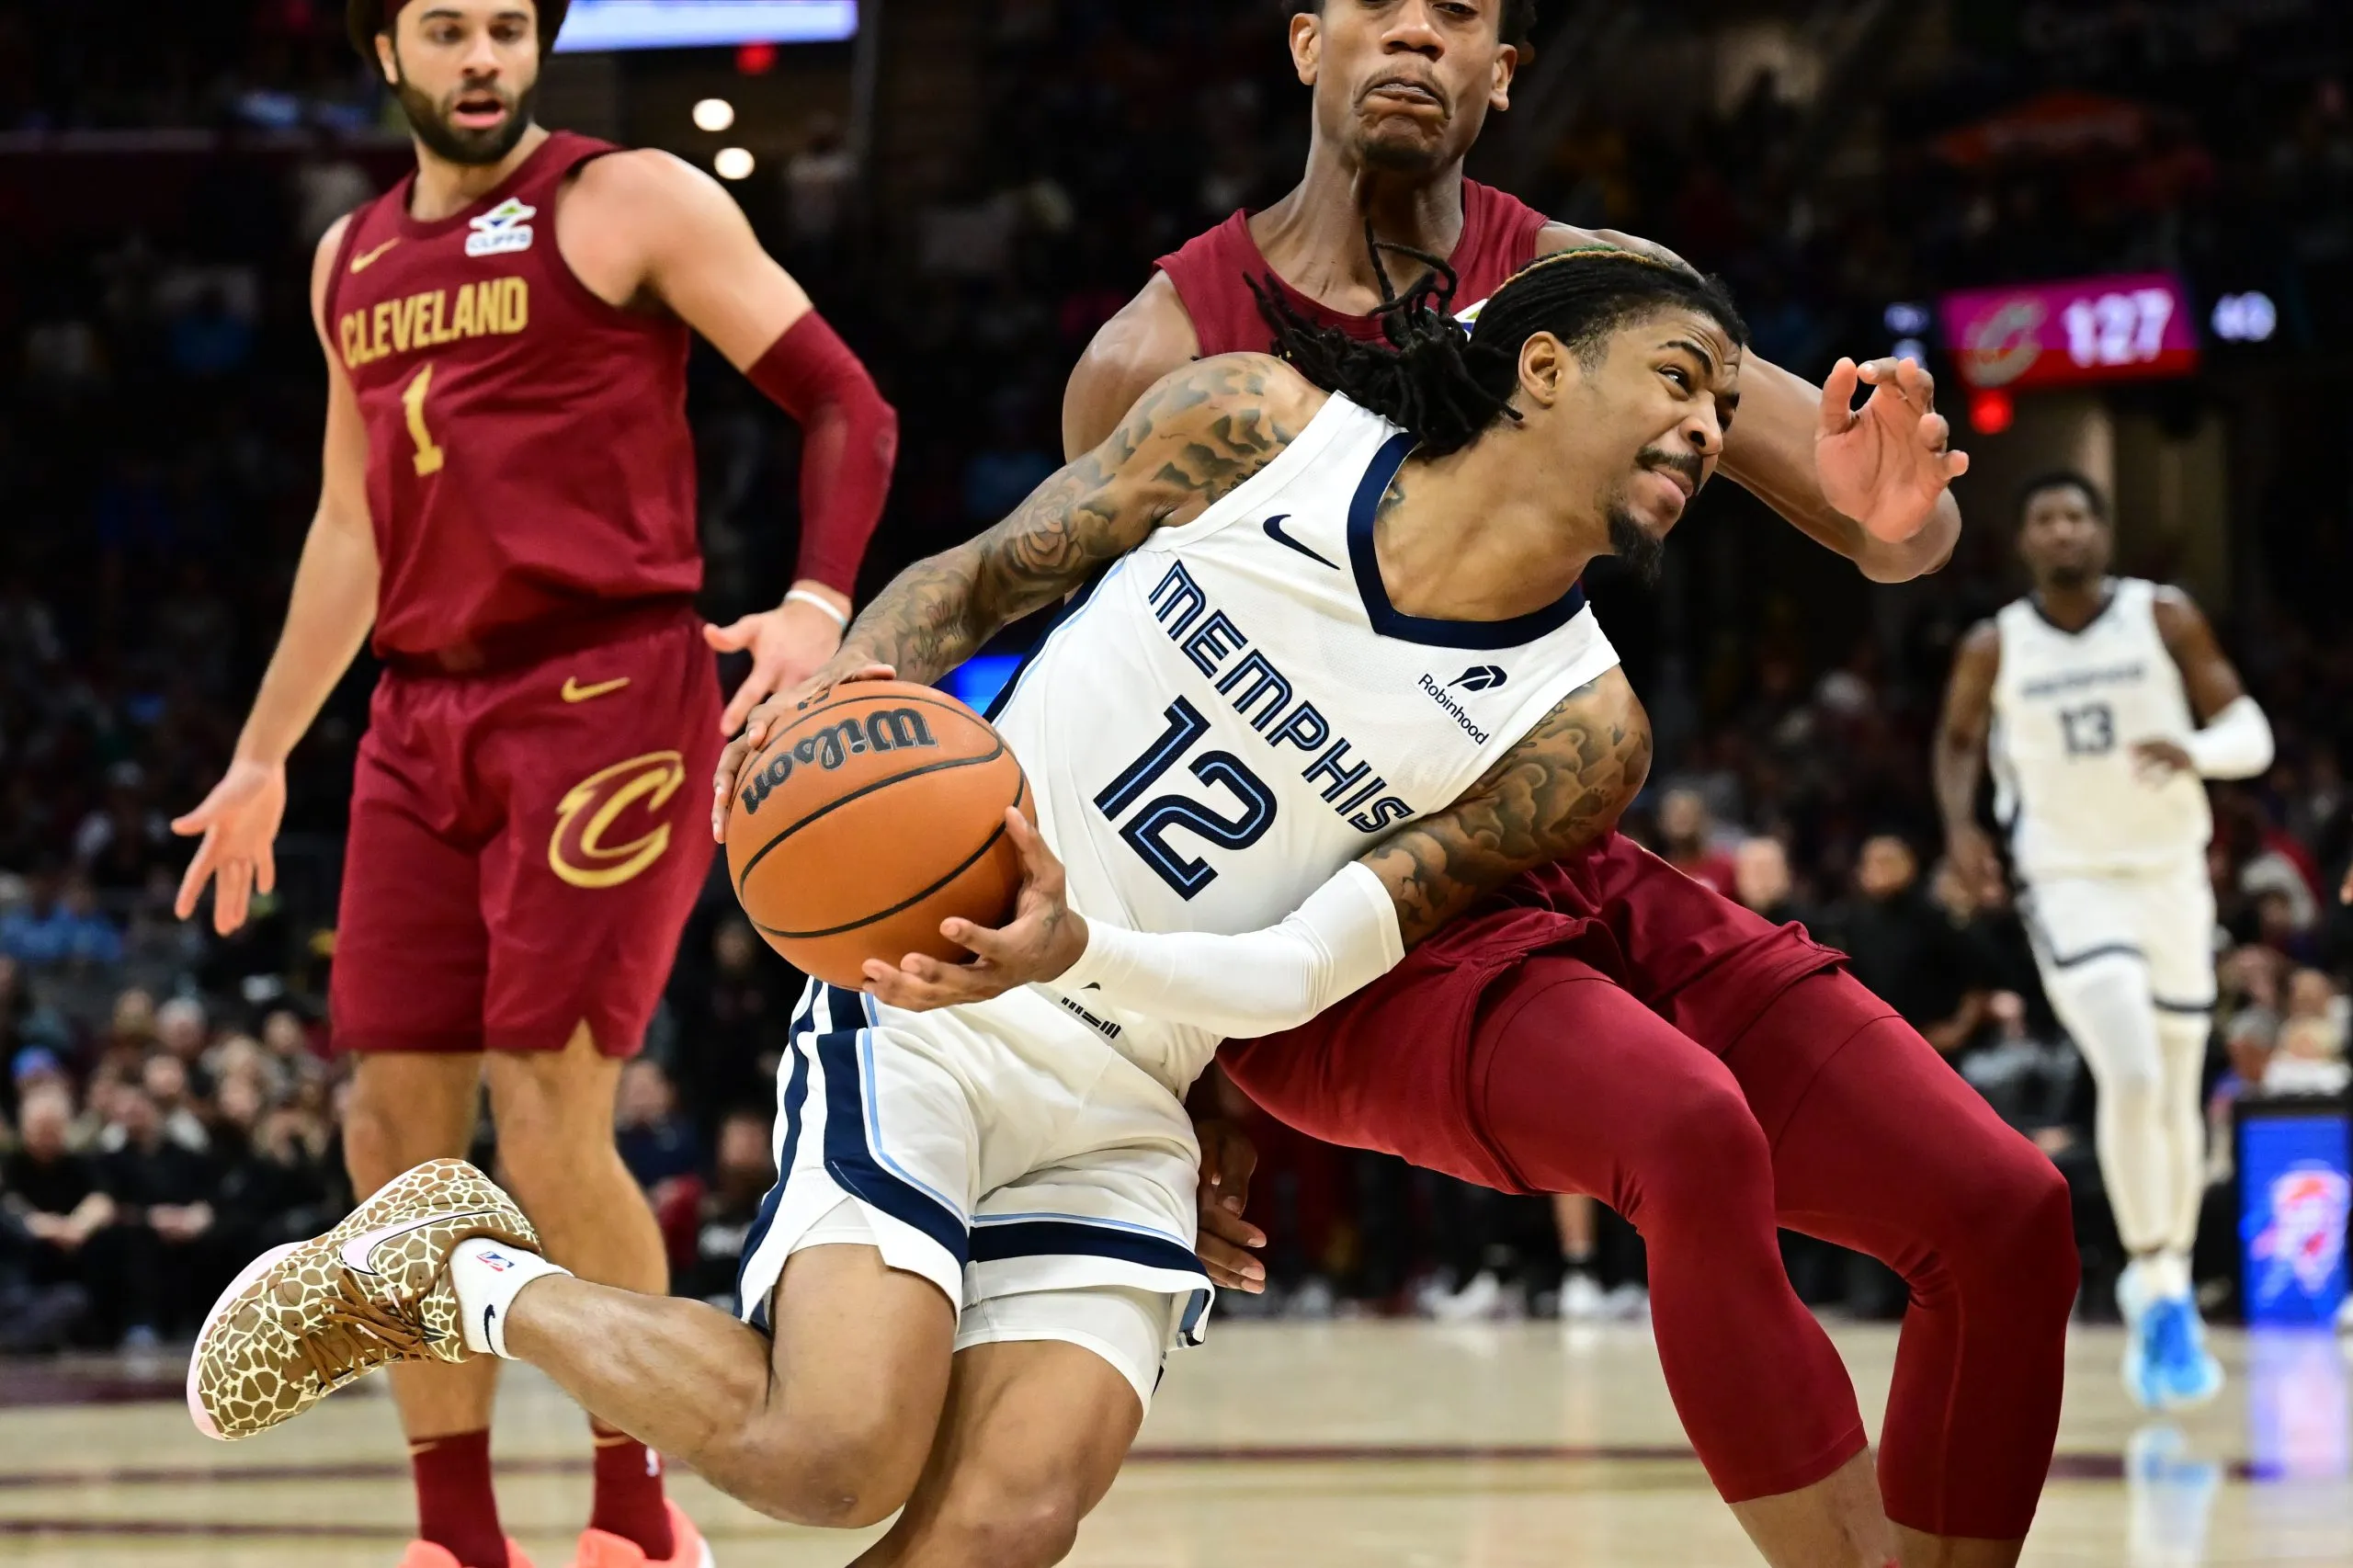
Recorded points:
(1146,832)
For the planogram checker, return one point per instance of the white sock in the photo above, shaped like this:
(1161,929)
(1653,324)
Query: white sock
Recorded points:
(486,1275)
(2169,1274)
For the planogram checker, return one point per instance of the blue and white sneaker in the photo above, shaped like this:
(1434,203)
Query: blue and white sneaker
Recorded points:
(2180,1373)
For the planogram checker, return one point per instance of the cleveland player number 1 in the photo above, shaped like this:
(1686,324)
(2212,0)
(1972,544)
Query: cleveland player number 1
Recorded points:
(428,456)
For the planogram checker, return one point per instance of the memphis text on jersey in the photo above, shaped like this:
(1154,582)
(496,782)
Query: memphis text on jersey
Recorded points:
(1178,603)
(493,307)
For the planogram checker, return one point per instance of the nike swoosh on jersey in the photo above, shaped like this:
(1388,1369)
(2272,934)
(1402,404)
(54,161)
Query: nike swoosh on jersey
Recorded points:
(367,259)
(1275,532)
(356,1251)
(575,692)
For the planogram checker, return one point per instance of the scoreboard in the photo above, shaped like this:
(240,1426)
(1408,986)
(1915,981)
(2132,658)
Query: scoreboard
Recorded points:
(2025,335)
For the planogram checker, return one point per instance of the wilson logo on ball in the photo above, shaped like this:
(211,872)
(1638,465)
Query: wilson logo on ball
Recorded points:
(893,729)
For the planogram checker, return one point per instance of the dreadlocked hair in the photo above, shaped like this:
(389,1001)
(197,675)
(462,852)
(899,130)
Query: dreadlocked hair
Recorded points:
(1446,381)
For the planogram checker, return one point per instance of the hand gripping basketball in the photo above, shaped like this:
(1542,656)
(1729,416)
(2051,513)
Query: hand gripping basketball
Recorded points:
(728,778)
(1044,937)
(859,822)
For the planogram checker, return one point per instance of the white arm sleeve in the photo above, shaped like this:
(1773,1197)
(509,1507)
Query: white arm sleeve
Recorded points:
(2234,744)
(1344,937)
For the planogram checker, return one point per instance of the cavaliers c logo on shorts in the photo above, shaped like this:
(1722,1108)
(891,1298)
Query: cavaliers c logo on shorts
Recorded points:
(590,848)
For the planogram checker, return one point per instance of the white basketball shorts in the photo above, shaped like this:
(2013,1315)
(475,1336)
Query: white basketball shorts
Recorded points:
(1006,1152)
(2164,918)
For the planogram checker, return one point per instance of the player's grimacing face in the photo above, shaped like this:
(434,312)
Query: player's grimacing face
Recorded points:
(1646,425)
(465,72)
(2066,544)
(1403,84)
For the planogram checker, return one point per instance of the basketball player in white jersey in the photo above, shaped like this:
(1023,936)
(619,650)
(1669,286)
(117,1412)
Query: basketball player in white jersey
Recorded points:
(2104,702)
(1334,680)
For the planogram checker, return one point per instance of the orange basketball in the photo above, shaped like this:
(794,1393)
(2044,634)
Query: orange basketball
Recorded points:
(866,820)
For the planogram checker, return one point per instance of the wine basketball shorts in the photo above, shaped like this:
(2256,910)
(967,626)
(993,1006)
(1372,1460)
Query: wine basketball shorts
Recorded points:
(525,844)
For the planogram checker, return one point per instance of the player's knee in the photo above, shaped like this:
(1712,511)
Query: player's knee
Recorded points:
(842,1473)
(1692,1157)
(1006,1525)
(379,1143)
(2010,1239)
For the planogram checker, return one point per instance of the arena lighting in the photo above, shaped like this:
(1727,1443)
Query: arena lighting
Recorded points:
(2245,318)
(731,163)
(714,114)
(755,60)
(594,25)
(1907,318)
(1990,412)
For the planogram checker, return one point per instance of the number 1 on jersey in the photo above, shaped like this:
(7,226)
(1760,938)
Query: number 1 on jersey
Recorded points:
(428,456)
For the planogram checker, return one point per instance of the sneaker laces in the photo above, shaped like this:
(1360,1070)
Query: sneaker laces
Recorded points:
(361,1334)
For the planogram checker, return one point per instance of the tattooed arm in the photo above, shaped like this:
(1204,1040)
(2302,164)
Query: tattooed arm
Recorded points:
(1553,794)
(1197,434)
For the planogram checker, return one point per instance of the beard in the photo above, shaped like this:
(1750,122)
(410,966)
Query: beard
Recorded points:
(2069,578)
(475,149)
(1643,552)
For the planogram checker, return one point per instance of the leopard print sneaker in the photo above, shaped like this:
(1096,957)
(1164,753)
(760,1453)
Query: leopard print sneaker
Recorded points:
(303,1320)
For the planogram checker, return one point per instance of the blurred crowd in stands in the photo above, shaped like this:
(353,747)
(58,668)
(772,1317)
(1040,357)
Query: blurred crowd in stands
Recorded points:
(168,1097)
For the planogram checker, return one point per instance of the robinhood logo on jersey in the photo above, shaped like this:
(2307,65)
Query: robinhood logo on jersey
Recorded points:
(1478,678)
(505,228)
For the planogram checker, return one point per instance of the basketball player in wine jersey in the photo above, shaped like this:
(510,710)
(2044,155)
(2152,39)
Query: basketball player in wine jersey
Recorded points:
(509,500)
(1608,1026)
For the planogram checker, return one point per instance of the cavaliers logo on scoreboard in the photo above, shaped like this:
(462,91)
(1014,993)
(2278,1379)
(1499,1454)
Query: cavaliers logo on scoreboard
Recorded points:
(608,826)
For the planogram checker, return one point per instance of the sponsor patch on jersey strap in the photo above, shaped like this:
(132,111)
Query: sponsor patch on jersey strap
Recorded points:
(575,692)
(1274,527)
(502,231)
(367,259)
(582,850)
(1481,678)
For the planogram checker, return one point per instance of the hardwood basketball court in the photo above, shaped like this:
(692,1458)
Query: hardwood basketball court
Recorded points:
(1369,1445)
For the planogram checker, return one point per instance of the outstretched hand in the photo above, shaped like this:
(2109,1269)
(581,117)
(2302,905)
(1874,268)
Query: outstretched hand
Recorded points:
(739,753)
(1044,937)
(1889,462)
(787,645)
(239,821)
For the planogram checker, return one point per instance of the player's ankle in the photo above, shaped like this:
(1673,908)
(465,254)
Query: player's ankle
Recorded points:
(487,1275)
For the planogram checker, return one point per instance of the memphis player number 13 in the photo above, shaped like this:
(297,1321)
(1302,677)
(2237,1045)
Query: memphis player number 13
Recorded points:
(1146,831)
(2089,731)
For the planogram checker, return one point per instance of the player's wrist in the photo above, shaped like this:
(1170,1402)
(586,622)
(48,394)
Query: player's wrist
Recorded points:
(817,591)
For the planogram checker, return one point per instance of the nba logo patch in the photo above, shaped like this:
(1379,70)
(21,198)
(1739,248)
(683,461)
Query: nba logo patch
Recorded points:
(498,1262)
(505,228)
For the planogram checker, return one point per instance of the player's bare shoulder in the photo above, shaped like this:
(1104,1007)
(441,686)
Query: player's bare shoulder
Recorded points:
(620,215)
(1215,421)
(1148,337)
(323,260)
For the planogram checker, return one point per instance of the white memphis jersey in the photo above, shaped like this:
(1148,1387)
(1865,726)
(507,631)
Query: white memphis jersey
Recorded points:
(2067,709)
(1236,712)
